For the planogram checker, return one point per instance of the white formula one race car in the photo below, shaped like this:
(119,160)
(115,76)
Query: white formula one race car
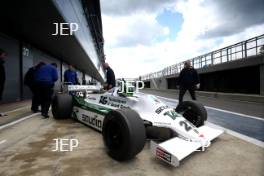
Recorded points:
(127,120)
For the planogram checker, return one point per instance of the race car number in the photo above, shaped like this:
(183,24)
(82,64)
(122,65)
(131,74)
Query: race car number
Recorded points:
(172,114)
(103,100)
(186,126)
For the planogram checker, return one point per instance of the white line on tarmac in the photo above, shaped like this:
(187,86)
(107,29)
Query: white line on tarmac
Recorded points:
(235,113)
(18,109)
(238,135)
(19,120)
(3,141)
(226,111)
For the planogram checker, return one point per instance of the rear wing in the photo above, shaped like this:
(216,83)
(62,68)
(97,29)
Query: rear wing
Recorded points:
(82,88)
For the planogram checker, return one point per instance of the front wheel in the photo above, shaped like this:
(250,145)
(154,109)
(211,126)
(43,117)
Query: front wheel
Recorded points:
(194,112)
(62,106)
(123,134)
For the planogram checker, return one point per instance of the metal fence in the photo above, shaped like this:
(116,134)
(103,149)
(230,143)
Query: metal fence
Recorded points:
(241,50)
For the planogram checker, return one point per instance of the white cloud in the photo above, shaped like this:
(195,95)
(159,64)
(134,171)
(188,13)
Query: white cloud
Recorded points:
(132,40)
(128,7)
(132,30)
(244,35)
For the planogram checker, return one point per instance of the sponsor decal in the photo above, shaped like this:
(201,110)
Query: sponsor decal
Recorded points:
(91,98)
(80,103)
(160,153)
(172,114)
(160,109)
(82,87)
(162,123)
(117,100)
(117,103)
(93,121)
(201,135)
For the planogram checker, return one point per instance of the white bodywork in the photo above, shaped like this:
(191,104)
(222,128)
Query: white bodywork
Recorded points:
(151,109)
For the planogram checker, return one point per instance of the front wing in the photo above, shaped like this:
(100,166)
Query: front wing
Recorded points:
(174,150)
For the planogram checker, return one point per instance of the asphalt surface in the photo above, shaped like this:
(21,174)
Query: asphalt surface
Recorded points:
(244,107)
(26,149)
(242,123)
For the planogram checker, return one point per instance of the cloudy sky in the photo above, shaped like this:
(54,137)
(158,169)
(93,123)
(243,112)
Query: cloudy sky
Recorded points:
(144,36)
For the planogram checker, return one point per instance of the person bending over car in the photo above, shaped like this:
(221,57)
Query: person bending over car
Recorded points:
(110,77)
(45,78)
(29,80)
(188,80)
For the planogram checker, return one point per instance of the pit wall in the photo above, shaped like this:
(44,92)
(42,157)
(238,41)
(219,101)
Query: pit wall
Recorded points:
(244,76)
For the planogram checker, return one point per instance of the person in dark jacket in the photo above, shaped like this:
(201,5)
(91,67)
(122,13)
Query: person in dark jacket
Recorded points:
(70,76)
(29,80)
(45,78)
(84,82)
(3,55)
(110,77)
(188,80)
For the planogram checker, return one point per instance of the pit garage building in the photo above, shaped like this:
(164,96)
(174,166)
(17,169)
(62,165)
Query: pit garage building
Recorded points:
(26,34)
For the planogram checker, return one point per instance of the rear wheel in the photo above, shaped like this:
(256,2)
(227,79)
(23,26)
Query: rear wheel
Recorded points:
(123,134)
(193,112)
(62,106)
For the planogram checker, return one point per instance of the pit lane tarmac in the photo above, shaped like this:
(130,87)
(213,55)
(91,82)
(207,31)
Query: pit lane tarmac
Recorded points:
(26,149)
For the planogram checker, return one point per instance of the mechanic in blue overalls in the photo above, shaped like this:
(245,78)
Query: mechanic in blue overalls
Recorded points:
(70,76)
(45,78)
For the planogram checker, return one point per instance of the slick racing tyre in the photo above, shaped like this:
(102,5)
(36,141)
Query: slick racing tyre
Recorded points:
(193,112)
(123,134)
(158,133)
(62,106)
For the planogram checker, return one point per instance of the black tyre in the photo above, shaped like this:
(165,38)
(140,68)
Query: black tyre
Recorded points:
(62,106)
(158,133)
(193,112)
(123,134)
